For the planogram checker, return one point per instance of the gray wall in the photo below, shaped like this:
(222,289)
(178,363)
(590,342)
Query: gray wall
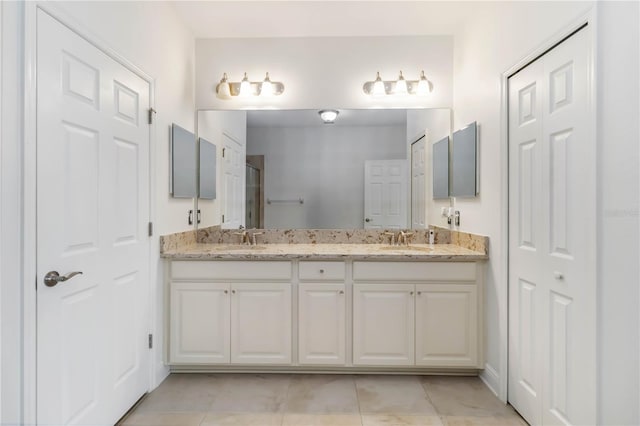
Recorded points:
(325,166)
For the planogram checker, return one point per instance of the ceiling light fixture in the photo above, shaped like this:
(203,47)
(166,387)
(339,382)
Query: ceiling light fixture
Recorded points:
(328,116)
(379,87)
(226,89)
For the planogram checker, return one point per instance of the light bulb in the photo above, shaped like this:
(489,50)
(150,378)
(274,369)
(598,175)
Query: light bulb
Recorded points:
(328,116)
(424,86)
(378,86)
(401,85)
(267,87)
(222,89)
(245,87)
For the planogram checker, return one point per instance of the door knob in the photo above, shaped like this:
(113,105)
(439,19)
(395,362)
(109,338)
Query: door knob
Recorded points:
(367,220)
(53,277)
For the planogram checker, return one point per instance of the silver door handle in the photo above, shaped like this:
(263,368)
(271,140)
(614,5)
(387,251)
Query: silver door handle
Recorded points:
(53,277)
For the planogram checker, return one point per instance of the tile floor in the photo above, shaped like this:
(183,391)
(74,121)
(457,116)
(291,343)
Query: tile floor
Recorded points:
(319,400)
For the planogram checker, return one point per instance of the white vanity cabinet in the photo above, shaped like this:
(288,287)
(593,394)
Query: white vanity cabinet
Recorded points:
(322,313)
(230,312)
(423,314)
(325,314)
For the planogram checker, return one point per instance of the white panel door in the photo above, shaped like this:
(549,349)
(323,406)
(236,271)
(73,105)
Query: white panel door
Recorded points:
(261,323)
(93,208)
(321,324)
(551,238)
(446,325)
(200,323)
(383,324)
(385,194)
(234,154)
(418,184)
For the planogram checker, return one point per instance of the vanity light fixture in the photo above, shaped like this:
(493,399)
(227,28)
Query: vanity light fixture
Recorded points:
(328,116)
(228,90)
(379,87)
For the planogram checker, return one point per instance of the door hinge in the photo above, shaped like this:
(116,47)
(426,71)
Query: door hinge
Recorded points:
(222,218)
(150,229)
(152,113)
(150,341)
(223,151)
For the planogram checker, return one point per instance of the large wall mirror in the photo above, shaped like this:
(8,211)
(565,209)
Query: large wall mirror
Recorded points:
(286,169)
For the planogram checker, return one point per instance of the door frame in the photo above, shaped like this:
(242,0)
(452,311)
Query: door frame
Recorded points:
(29,248)
(498,382)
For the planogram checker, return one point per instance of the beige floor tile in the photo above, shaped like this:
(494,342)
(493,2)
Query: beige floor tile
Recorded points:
(399,420)
(464,396)
(392,395)
(483,421)
(321,420)
(322,394)
(251,393)
(182,392)
(242,419)
(163,419)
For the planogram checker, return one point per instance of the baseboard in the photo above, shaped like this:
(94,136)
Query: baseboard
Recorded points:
(491,378)
(161,373)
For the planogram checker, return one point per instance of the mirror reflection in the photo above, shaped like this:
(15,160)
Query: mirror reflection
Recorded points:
(287,169)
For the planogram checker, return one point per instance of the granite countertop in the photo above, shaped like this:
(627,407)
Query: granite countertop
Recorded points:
(413,252)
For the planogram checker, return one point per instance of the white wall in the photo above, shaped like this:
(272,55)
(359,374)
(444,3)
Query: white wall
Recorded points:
(211,125)
(498,36)
(436,124)
(149,35)
(619,230)
(325,166)
(324,72)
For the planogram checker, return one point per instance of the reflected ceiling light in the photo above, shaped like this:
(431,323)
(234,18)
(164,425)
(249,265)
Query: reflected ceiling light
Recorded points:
(401,86)
(228,90)
(329,116)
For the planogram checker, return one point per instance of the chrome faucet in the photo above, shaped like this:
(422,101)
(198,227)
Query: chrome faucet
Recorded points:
(404,238)
(392,241)
(243,237)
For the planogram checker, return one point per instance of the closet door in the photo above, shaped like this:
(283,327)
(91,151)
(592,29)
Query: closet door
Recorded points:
(552,284)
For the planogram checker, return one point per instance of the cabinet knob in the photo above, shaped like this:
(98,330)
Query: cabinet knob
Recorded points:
(341,292)
(419,293)
(226,291)
(410,293)
(322,271)
(233,291)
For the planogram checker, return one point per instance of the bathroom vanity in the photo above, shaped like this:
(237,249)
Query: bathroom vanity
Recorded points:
(325,307)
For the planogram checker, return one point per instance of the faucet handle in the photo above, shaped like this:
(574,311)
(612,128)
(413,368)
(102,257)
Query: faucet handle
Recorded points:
(253,237)
(392,235)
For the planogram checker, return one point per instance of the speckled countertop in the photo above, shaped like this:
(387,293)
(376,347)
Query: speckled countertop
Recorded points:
(413,252)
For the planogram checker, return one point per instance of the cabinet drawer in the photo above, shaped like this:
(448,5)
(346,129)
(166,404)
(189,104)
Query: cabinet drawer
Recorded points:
(412,271)
(322,271)
(230,270)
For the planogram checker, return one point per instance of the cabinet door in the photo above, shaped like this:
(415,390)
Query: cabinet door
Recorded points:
(199,330)
(383,324)
(261,323)
(321,322)
(446,325)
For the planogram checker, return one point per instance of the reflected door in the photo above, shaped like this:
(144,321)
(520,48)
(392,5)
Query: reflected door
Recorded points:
(252,205)
(385,194)
(552,193)
(93,208)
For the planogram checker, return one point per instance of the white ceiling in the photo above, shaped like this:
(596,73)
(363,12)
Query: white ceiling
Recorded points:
(311,118)
(226,19)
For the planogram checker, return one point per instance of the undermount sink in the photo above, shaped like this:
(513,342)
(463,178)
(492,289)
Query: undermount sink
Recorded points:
(238,247)
(397,248)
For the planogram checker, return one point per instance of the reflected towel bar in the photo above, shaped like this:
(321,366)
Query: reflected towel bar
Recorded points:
(298,200)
